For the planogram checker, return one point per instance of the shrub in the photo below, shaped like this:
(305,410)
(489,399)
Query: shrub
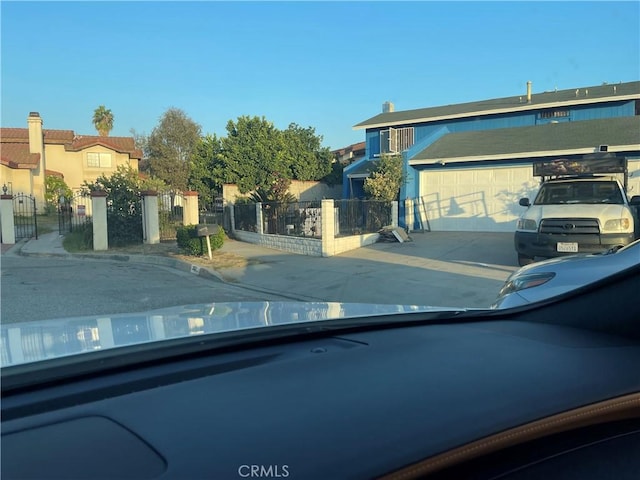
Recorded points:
(80,239)
(54,188)
(124,211)
(192,245)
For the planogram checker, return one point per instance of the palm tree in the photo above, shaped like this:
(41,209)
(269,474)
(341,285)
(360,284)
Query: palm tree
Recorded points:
(103,120)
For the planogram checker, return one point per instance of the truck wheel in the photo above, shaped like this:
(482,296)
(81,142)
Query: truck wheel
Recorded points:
(524,260)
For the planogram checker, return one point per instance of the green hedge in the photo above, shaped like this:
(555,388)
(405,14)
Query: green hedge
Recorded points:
(194,245)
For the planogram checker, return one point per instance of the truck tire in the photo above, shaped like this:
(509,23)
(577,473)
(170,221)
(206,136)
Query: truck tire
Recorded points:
(524,260)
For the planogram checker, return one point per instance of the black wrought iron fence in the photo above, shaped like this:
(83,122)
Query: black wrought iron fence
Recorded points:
(356,217)
(216,213)
(74,213)
(301,219)
(124,222)
(170,213)
(245,217)
(24,216)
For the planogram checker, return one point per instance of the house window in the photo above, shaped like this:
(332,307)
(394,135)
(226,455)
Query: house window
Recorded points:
(554,114)
(99,160)
(396,140)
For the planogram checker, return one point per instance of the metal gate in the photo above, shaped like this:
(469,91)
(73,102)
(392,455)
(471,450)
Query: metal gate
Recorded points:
(74,212)
(170,208)
(24,216)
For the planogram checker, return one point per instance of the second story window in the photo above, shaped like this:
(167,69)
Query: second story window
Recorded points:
(554,114)
(396,140)
(99,160)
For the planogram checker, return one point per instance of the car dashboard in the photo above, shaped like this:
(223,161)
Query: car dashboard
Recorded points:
(406,400)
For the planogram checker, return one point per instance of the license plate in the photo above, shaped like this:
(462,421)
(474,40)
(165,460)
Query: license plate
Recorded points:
(567,247)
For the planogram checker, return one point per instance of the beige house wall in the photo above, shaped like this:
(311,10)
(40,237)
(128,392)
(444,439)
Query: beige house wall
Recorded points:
(19,179)
(303,191)
(75,165)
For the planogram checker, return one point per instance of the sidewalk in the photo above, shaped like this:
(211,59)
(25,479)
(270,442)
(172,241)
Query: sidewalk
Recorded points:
(436,268)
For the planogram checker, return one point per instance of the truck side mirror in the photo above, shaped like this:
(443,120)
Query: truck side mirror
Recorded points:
(524,202)
(635,200)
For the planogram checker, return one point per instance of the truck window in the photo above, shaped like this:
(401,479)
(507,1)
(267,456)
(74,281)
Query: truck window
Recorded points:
(579,192)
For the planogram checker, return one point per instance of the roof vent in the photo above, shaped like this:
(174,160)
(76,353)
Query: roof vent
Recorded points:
(603,148)
(34,114)
(387,107)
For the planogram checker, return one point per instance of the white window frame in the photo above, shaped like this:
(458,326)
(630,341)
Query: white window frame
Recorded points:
(397,140)
(99,160)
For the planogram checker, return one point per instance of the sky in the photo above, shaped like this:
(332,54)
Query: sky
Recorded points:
(328,65)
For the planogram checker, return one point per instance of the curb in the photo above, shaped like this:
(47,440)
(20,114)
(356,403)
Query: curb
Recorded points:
(181,265)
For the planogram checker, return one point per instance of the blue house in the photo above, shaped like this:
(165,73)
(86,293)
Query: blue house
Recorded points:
(467,165)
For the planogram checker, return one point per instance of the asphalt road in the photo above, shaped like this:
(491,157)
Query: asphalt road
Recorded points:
(35,288)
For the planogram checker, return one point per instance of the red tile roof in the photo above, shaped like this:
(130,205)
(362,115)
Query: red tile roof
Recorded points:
(53,173)
(17,155)
(119,144)
(71,141)
(58,136)
(351,148)
(21,135)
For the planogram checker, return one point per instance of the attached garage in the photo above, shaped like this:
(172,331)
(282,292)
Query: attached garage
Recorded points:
(472,181)
(481,199)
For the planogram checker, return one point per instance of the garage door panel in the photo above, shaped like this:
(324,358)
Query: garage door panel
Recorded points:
(475,199)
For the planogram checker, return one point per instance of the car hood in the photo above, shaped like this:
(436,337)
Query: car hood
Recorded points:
(28,342)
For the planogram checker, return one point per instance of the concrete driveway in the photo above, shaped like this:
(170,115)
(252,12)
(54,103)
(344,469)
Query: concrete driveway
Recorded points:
(457,269)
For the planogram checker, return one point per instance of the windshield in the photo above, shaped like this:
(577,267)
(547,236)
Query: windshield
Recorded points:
(579,192)
(234,154)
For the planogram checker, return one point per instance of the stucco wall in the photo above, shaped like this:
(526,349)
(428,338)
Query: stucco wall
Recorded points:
(20,179)
(73,165)
(303,191)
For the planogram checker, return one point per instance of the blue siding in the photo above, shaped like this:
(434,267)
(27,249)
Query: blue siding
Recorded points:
(427,133)
(372,143)
(594,112)
(484,123)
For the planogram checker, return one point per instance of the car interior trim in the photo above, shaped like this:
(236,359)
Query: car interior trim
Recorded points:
(620,408)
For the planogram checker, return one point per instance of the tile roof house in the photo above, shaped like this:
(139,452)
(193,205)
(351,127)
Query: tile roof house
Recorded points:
(467,164)
(350,154)
(27,155)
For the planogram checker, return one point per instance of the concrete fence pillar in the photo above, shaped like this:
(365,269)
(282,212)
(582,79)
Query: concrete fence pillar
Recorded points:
(6,219)
(151,218)
(190,210)
(408,214)
(394,213)
(100,229)
(328,217)
(259,222)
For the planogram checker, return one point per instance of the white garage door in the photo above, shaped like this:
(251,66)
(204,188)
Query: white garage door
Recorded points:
(482,199)
(633,182)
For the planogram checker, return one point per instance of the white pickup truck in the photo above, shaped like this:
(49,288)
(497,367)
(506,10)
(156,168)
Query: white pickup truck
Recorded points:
(575,215)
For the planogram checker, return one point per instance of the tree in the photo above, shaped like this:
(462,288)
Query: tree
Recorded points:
(206,173)
(141,141)
(307,158)
(124,211)
(253,154)
(103,120)
(55,187)
(171,146)
(385,182)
